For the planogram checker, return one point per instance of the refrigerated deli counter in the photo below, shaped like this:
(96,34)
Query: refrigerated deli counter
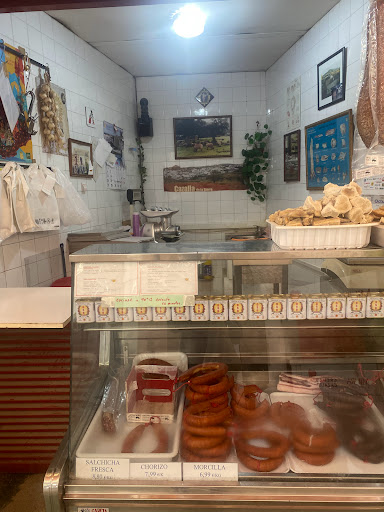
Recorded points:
(185,394)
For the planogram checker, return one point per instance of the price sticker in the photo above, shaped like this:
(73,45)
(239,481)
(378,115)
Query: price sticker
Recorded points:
(99,468)
(210,471)
(155,471)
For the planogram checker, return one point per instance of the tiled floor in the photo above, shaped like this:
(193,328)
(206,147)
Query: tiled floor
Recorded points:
(21,492)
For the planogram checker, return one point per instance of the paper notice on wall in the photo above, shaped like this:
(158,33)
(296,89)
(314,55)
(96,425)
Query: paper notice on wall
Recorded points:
(102,151)
(373,186)
(106,279)
(176,277)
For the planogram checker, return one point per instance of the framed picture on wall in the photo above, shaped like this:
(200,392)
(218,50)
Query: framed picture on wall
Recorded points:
(292,156)
(328,148)
(80,159)
(331,79)
(203,137)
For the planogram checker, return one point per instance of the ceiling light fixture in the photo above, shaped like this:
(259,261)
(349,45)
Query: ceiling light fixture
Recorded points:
(189,21)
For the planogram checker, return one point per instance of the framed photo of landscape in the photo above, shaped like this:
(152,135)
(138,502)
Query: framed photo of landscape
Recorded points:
(329,148)
(331,79)
(292,156)
(203,137)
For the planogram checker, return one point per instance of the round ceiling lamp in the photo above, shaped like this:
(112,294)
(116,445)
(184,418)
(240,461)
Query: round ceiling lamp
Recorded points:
(189,21)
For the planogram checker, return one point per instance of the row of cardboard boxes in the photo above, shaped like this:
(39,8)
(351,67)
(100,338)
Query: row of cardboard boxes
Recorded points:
(240,307)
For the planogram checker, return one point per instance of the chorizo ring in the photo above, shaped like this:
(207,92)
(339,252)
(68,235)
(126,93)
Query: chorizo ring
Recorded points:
(196,398)
(135,434)
(217,451)
(315,459)
(279,444)
(221,387)
(209,371)
(192,442)
(312,437)
(217,431)
(209,419)
(245,396)
(212,403)
(188,456)
(263,466)
(315,449)
(251,414)
(286,414)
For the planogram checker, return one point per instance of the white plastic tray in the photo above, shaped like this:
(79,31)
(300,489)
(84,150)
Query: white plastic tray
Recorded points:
(96,442)
(345,236)
(343,462)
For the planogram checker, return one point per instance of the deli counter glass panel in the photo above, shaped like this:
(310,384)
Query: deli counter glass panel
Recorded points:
(273,367)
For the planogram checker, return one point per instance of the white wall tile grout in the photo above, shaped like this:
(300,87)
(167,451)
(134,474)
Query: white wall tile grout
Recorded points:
(90,79)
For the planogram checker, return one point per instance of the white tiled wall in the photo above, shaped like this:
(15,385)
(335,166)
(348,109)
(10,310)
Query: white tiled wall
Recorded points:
(90,79)
(342,26)
(240,94)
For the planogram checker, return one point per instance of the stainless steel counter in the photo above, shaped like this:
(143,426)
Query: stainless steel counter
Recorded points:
(252,250)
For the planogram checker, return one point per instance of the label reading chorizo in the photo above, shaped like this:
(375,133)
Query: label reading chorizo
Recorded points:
(102,468)
(156,471)
(210,471)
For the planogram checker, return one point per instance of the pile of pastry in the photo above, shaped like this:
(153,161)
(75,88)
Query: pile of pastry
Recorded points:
(340,205)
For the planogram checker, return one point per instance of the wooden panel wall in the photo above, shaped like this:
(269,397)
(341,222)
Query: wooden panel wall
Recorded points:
(34,396)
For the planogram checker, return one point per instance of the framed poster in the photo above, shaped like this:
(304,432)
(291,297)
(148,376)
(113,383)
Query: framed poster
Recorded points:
(331,79)
(293,104)
(80,159)
(203,137)
(292,156)
(329,148)
(15,146)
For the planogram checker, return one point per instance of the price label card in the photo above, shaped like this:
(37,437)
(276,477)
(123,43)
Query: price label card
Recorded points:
(210,471)
(155,471)
(102,468)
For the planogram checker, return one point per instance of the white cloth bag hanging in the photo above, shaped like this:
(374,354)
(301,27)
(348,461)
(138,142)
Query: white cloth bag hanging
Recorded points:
(7,218)
(23,215)
(73,210)
(41,197)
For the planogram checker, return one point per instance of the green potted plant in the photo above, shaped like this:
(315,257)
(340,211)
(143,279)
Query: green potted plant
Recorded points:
(142,169)
(256,162)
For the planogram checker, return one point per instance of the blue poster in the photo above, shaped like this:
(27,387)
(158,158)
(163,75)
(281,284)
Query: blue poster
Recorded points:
(328,152)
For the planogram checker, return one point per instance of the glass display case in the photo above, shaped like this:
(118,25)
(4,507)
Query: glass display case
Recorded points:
(229,375)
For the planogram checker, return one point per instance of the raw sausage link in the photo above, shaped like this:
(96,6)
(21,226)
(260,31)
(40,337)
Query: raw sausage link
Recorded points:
(132,438)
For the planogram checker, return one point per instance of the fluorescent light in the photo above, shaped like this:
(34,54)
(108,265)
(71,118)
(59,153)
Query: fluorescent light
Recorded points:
(190,21)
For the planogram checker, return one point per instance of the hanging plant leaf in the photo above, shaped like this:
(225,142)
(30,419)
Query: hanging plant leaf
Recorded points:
(256,160)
